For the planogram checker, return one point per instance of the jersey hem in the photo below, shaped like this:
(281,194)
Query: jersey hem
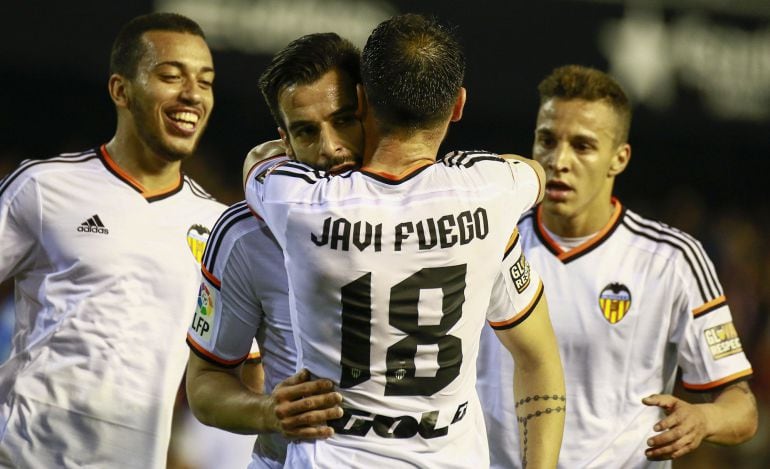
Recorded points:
(721,383)
(211,358)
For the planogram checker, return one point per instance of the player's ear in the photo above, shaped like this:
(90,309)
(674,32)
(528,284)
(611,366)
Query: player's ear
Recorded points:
(285,140)
(620,159)
(457,110)
(362,103)
(117,86)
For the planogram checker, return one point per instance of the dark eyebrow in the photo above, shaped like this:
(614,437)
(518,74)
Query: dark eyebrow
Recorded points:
(345,110)
(297,124)
(178,64)
(585,139)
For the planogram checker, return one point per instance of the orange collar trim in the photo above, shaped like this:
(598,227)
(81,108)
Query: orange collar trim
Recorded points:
(586,246)
(398,177)
(136,185)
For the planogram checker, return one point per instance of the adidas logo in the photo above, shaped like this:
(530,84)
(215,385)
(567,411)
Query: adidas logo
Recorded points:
(93,225)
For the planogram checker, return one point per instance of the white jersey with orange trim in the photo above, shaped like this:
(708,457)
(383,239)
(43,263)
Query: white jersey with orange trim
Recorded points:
(245,295)
(105,281)
(629,306)
(390,279)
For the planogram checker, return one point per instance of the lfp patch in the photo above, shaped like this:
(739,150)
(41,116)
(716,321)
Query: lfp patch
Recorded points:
(197,236)
(203,320)
(723,340)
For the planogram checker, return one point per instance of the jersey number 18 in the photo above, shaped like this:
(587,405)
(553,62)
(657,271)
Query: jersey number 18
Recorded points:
(402,379)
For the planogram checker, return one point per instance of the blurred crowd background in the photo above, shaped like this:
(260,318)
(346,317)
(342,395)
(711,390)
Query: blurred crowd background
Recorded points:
(698,72)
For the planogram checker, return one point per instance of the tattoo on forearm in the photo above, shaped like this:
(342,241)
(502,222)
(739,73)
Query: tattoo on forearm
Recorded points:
(559,405)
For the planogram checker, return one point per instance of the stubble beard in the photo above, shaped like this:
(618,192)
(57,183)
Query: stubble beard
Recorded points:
(154,138)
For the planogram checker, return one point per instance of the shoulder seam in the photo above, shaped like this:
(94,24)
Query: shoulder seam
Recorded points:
(693,255)
(27,164)
(228,219)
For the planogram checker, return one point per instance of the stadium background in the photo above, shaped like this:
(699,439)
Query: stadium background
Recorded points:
(698,72)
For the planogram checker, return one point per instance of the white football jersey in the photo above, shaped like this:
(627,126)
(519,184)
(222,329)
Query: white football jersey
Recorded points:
(390,282)
(629,306)
(245,294)
(105,281)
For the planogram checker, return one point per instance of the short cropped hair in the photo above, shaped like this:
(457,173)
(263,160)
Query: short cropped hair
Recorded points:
(412,69)
(304,61)
(590,84)
(128,48)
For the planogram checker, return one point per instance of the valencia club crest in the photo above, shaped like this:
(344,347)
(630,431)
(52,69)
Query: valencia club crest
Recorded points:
(615,301)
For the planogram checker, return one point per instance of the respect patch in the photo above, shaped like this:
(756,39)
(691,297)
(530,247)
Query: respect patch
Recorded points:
(723,340)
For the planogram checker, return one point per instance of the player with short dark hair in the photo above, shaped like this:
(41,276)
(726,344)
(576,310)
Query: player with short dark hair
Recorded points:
(245,289)
(400,91)
(104,247)
(392,266)
(632,300)
(129,46)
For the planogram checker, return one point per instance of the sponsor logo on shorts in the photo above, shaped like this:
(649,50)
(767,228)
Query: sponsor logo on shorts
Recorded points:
(723,340)
(615,301)
(203,320)
(197,236)
(520,274)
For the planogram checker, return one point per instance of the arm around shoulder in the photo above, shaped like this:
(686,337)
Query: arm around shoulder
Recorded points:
(536,167)
(262,152)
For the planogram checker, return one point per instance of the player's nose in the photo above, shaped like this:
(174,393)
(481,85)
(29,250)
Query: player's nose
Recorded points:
(331,143)
(558,159)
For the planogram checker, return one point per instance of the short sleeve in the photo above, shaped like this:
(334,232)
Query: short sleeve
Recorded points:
(228,312)
(517,289)
(527,184)
(710,352)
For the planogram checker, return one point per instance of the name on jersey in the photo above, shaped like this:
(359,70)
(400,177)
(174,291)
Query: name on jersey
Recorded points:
(723,340)
(359,423)
(443,232)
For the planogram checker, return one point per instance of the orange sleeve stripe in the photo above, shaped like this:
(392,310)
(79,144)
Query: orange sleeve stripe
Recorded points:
(718,383)
(511,242)
(523,314)
(210,277)
(710,306)
(199,350)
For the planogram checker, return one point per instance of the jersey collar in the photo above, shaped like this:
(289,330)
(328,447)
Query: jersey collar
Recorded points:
(587,246)
(117,171)
(394,179)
